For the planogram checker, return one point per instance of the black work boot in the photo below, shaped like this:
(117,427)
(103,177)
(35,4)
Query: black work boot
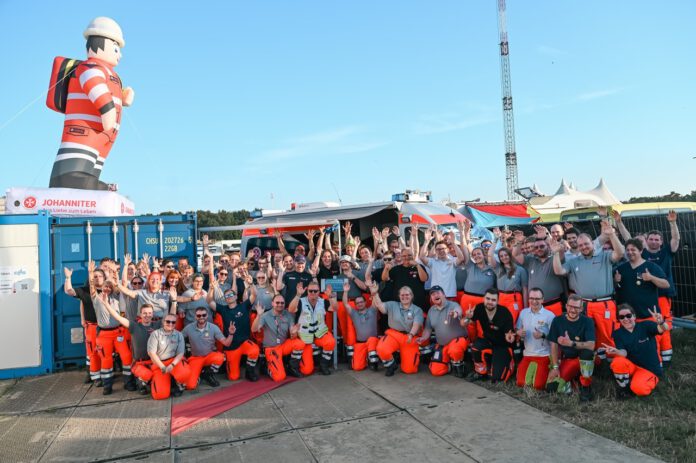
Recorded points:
(586,393)
(458,371)
(324,365)
(108,386)
(250,373)
(129,383)
(391,369)
(143,387)
(88,379)
(622,393)
(208,375)
(294,368)
(374,366)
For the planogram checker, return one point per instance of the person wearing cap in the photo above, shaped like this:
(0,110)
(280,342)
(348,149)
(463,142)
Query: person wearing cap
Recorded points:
(357,285)
(279,339)
(311,313)
(93,110)
(286,284)
(405,322)
(446,321)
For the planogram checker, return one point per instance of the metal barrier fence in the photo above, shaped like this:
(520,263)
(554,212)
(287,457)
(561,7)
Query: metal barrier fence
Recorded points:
(684,265)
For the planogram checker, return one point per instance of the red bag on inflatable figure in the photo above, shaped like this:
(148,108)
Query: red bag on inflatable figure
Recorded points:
(91,96)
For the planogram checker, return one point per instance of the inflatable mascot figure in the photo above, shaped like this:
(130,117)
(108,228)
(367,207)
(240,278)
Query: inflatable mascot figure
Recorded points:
(91,96)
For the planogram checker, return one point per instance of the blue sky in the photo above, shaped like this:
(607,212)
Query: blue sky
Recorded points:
(238,102)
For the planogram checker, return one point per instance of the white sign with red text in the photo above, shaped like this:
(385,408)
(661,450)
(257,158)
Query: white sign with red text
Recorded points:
(67,202)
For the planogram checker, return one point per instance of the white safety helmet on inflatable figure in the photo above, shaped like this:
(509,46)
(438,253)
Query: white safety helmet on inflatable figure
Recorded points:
(105,27)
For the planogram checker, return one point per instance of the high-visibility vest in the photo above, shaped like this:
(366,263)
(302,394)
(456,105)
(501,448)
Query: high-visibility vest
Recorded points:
(312,320)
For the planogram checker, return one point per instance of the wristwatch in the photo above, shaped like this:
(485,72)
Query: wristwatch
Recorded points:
(575,344)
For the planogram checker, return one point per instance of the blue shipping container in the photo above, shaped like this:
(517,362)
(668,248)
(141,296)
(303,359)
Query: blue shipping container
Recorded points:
(76,240)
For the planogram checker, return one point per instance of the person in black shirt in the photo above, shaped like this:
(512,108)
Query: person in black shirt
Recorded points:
(88,320)
(572,340)
(410,274)
(636,364)
(492,353)
(236,322)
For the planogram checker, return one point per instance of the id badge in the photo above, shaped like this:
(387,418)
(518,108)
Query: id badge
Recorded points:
(119,339)
(607,315)
(437,355)
(516,306)
(277,341)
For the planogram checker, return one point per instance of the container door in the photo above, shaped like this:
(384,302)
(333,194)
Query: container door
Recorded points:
(20,305)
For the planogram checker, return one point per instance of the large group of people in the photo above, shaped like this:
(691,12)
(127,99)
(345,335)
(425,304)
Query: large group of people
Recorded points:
(545,309)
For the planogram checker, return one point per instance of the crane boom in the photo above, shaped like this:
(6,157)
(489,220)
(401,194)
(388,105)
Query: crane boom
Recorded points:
(508,117)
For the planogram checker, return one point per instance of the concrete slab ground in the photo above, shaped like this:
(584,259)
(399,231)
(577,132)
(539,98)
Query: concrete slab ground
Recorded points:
(348,416)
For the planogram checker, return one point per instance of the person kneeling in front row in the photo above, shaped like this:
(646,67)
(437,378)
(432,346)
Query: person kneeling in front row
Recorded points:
(636,365)
(166,350)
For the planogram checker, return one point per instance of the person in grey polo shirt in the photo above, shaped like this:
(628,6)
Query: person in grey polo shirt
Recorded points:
(446,320)
(166,350)
(405,321)
(591,275)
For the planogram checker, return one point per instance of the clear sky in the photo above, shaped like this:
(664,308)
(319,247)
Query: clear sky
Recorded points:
(264,103)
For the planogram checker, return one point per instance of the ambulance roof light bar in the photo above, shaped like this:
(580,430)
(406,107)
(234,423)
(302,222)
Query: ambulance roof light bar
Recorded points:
(413,196)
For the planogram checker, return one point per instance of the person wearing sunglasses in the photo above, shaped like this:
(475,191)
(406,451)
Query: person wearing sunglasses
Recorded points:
(279,339)
(313,330)
(572,340)
(407,273)
(636,365)
(590,275)
(205,360)
(236,320)
(539,267)
(166,347)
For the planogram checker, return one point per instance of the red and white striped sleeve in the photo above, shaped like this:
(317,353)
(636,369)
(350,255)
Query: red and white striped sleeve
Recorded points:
(93,82)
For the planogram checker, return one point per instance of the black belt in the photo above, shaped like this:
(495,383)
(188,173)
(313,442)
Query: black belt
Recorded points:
(109,329)
(599,299)
(473,294)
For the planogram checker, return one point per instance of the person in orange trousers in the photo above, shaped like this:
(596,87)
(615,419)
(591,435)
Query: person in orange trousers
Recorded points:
(445,318)
(636,365)
(166,348)
(405,321)
(313,329)
(279,339)
(205,360)
(364,326)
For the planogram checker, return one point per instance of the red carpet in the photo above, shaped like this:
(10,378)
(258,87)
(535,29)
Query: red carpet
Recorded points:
(187,414)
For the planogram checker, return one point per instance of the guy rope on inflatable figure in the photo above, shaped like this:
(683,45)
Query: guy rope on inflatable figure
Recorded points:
(91,96)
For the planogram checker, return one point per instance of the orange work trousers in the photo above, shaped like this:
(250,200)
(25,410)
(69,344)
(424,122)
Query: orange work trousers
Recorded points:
(664,340)
(274,357)
(514,303)
(641,381)
(364,352)
(397,341)
(603,313)
(555,306)
(196,364)
(326,343)
(469,301)
(234,358)
(93,359)
(533,371)
(162,382)
(108,342)
(452,352)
